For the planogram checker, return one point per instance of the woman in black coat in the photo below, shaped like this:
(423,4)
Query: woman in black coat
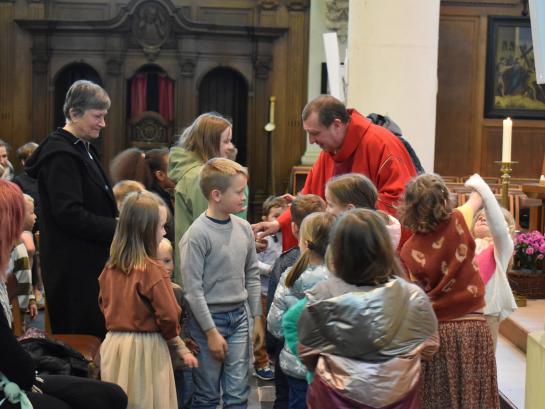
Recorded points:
(78,212)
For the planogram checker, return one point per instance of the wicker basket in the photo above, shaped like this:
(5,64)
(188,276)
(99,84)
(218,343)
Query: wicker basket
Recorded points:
(526,283)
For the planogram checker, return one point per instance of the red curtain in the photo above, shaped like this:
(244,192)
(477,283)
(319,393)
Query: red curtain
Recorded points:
(139,88)
(166,97)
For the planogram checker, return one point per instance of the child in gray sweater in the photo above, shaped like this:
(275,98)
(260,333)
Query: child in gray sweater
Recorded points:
(221,279)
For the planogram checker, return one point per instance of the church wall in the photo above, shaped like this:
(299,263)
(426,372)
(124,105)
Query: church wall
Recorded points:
(466,141)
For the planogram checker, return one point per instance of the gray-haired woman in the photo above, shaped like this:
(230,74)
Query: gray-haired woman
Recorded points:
(78,214)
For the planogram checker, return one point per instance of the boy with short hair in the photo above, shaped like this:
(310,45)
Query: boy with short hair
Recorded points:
(221,278)
(273,207)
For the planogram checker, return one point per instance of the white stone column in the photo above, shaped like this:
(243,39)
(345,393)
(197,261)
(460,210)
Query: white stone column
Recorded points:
(392,66)
(319,24)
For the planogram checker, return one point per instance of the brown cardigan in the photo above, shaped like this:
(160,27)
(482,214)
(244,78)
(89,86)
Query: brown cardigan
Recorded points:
(141,301)
(443,263)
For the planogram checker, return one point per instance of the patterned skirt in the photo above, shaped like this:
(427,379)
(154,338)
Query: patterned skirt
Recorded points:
(462,374)
(140,363)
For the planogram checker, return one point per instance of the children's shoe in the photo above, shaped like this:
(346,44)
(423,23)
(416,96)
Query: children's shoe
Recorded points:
(265,373)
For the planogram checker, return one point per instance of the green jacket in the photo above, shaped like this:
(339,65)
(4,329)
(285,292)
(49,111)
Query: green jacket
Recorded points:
(184,168)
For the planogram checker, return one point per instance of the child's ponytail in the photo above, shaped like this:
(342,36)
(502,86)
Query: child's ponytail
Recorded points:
(300,265)
(315,232)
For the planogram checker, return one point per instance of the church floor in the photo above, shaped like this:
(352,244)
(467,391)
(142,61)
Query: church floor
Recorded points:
(262,394)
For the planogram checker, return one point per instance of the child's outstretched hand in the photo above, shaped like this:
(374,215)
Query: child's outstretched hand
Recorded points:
(475,182)
(190,360)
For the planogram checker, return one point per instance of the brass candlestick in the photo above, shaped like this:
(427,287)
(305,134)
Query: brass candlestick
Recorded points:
(505,170)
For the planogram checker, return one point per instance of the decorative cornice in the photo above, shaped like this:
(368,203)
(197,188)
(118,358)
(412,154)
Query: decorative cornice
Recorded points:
(269,5)
(179,23)
(297,5)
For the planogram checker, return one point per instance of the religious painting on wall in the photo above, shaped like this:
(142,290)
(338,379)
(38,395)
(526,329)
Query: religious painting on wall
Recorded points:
(511,87)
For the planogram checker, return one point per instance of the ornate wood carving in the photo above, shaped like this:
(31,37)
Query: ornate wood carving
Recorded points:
(151,27)
(298,5)
(149,128)
(337,18)
(187,66)
(161,31)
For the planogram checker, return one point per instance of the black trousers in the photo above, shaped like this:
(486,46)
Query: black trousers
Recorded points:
(71,392)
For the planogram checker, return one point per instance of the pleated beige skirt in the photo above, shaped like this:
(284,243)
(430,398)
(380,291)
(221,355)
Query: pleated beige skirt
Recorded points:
(140,363)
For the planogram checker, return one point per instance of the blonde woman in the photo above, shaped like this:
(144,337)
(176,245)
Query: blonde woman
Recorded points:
(141,313)
(209,136)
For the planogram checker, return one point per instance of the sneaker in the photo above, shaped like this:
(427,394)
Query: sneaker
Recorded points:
(265,373)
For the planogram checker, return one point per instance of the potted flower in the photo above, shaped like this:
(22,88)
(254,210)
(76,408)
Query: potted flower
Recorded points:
(527,277)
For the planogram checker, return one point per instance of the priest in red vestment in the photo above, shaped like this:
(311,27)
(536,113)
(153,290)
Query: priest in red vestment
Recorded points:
(350,143)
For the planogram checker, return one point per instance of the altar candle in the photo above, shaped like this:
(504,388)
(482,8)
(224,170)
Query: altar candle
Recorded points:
(506,145)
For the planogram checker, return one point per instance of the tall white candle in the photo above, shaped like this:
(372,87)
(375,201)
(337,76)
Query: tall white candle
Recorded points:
(506,141)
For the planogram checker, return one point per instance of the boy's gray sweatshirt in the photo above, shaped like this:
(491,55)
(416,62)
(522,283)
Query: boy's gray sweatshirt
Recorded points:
(219,268)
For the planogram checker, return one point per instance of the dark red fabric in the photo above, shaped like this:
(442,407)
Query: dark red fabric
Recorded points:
(166,97)
(344,167)
(139,89)
(375,152)
(320,395)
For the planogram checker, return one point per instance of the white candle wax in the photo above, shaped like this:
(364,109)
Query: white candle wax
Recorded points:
(506,141)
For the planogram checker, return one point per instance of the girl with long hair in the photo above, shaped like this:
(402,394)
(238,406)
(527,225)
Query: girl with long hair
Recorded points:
(307,271)
(141,313)
(440,257)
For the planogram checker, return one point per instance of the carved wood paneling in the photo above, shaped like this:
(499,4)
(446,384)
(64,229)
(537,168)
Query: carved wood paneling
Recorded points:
(266,41)
(454,141)
(466,142)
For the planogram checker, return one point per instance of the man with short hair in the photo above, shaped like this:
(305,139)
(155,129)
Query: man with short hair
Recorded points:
(350,143)
(78,212)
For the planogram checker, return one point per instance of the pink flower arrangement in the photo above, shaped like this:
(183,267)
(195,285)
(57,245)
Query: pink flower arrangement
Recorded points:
(530,251)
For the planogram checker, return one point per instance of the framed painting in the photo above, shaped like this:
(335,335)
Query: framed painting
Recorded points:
(511,88)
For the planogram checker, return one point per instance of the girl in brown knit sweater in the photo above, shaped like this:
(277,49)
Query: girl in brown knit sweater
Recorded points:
(440,257)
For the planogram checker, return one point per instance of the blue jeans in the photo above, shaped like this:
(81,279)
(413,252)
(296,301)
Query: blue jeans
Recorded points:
(183,378)
(233,373)
(298,393)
